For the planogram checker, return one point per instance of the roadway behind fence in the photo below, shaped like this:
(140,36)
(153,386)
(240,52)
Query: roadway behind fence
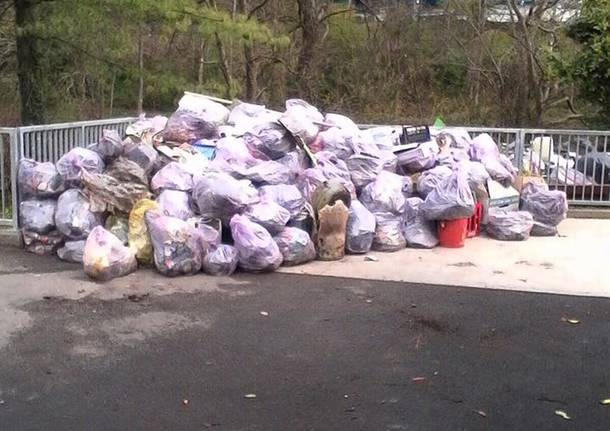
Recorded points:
(560,156)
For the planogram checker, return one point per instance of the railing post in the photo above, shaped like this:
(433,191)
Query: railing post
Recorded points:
(519,148)
(15,157)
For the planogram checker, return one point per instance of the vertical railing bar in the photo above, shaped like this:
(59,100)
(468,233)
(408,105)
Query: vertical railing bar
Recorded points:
(601,193)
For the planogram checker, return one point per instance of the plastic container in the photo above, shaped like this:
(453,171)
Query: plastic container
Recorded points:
(474,222)
(453,233)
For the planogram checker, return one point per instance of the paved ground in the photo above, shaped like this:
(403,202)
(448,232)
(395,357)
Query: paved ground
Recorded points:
(573,263)
(332,354)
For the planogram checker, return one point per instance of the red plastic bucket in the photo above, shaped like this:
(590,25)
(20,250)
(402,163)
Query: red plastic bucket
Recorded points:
(452,233)
(474,222)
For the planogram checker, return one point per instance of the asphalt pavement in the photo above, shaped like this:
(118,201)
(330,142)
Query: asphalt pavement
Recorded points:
(290,352)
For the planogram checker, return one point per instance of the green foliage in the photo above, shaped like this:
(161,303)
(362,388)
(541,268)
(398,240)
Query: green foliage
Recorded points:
(591,67)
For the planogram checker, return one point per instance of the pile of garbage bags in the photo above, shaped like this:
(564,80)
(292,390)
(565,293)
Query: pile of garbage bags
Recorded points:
(274,186)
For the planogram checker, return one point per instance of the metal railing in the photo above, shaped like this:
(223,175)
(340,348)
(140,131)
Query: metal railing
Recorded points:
(46,143)
(576,161)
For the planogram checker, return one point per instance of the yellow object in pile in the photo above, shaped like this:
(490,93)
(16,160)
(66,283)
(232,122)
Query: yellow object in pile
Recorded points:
(139,239)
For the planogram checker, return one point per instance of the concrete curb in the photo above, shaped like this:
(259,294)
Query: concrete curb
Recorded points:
(11,238)
(591,213)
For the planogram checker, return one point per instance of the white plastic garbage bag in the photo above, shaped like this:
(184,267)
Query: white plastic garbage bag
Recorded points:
(176,245)
(70,165)
(257,250)
(418,232)
(361,225)
(38,215)
(109,147)
(196,118)
(548,207)
(508,225)
(387,194)
(452,200)
(388,233)
(175,203)
(105,257)
(295,245)
(268,140)
(432,178)
(74,218)
(39,180)
(287,196)
(364,168)
(269,215)
(174,176)
(221,261)
(72,251)
(220,196)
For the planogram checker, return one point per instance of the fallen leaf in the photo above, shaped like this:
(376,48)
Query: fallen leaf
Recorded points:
(605,402)
(264,313)
(250,396)
(481,413)
(418,379)
(562,414)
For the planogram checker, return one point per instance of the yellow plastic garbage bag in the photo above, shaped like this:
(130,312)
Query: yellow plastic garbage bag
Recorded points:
(139,239)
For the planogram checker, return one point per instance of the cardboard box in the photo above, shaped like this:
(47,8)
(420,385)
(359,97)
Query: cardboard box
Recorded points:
(523,180)
(502,197)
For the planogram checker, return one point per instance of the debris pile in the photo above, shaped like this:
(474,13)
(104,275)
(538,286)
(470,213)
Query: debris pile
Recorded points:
(215,189)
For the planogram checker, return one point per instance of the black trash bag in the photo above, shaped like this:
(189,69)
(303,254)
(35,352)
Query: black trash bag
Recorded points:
(72,251)
(222,261)
(220,196)
(42,244)
(39,180)
(452,200)
(419,232)
(388,233)
(76,160)
(109,147)
(296,246)
(509,225)
(74,218)
(269,215)
(176,245)
(175,203)
(548,207)
(38,215)
(361,225)
(256,248)
(287,196)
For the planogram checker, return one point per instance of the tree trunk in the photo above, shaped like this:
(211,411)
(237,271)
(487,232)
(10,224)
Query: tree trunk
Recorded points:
(140,72)
(308,14)
(251,74)
(28,69)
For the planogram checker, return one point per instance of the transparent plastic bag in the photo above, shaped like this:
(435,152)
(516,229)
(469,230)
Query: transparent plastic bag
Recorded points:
(548,207)
(176,245)
(196,118)
(39,180)
(72,251)
(452,200)
(257,250)
(126,170)
(287,196)
(109,147)
(431,179)
(364,168)
(220,196)
(337,141)
(270,173)
(269,140)
(105,257)
(509,225)
(143,155)
(222,261)
(388,233)
(70,165)
(418,232)
(269,215)
(38,215)
(174,176)
(296,246)
(42,244)
(361,225)
(74,218)
(118,226)
(209,232)
(175,203)
(387,194)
